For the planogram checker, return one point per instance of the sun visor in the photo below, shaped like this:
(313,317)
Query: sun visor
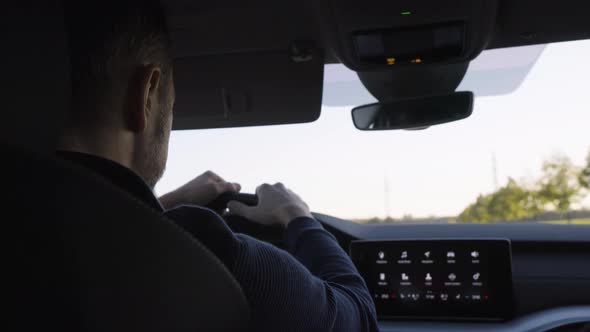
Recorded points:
(248,89)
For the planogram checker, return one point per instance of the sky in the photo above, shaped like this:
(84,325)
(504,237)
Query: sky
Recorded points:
(350,174)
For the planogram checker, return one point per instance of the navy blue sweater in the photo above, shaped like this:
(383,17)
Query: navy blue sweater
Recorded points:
(311,286)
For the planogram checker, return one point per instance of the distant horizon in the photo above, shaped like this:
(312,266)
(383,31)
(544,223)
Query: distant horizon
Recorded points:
(431,218)
(341,171)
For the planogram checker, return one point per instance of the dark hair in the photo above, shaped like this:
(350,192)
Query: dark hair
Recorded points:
(109,41)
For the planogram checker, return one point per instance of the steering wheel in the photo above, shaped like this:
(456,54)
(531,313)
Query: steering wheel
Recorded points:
(238,224)
(219,205)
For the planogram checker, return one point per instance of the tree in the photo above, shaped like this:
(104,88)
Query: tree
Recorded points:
(584,177)
(511,202)
(477,212)
(559,185)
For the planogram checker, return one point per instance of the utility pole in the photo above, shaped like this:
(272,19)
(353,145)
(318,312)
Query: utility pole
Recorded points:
(495,171)
(387,195)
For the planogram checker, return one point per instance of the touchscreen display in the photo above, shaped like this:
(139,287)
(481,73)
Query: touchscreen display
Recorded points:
(447,279)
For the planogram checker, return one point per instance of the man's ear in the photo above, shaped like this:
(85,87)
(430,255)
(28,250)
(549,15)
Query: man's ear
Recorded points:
(143,97)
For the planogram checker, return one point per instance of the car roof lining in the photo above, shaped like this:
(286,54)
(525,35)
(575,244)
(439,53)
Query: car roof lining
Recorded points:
(232,30)
(235,26)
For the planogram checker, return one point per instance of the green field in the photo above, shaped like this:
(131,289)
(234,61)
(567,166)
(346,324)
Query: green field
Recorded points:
(572,222)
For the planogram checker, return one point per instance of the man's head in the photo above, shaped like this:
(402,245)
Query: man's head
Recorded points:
(123,91)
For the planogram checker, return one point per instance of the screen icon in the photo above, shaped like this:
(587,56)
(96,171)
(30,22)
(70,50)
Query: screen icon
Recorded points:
(381,255)
(475,254)
(450,254)
(404,255)
(452,277)
(476,276)
(428,277)
(382,276)
(405,277)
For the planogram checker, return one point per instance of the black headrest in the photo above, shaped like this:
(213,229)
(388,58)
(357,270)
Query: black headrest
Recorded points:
(35,73)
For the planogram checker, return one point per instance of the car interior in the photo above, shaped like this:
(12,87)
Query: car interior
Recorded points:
(83,254)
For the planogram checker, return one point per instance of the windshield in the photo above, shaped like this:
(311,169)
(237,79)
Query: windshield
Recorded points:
(522,156)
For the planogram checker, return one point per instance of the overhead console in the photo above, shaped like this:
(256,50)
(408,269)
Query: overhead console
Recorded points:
(415,45)
(374,35)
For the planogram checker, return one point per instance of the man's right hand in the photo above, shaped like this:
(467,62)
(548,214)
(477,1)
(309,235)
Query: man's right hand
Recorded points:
(277,205)
(200,191)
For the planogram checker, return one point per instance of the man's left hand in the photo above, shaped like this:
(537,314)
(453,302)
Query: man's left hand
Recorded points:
(201,191)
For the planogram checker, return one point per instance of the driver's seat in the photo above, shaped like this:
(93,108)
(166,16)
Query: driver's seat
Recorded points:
(79,253)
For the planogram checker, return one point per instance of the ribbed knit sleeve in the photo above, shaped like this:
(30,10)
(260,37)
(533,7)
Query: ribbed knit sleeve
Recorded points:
(313,286)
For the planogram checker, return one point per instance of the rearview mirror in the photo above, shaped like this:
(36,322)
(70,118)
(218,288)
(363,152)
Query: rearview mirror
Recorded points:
(417,113)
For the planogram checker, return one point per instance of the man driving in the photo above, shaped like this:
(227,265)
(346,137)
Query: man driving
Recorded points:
(119,127)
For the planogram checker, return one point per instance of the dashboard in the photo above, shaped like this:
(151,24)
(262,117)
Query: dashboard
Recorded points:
(530,277)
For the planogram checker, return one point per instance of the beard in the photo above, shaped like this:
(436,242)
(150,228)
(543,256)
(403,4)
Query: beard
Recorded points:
(152,154)
(154,163)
